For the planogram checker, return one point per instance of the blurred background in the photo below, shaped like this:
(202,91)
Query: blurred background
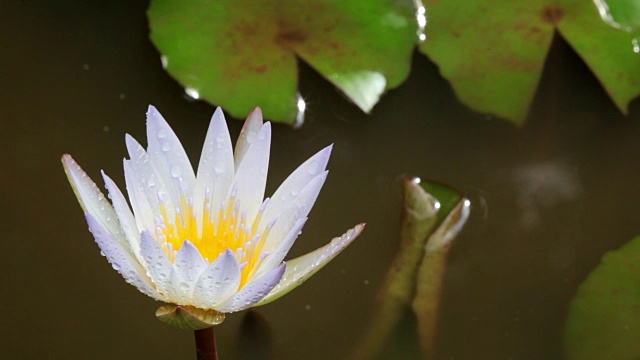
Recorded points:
(548,199)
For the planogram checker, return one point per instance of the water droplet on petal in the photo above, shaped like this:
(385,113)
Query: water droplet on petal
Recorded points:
(176,171)
(166,146)
(162,134)
(219,167)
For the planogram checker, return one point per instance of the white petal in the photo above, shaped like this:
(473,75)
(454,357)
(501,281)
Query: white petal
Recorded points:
(298,208)
(216,168)
(303,267)
(148,181)
(158,265)
(92,200)
(276,256)
(298,179)
(187,268)
(125,217)
(250,129)
(251,176)
(139,201)
(253,291)
(168,156)
(218,282)
(121,260)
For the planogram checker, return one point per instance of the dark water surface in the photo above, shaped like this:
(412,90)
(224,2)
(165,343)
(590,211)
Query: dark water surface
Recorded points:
(548,199)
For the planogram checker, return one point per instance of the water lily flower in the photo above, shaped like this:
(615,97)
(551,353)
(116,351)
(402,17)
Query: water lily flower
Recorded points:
(208,240)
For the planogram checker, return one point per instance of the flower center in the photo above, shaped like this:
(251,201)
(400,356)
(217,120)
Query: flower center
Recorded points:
(229,230)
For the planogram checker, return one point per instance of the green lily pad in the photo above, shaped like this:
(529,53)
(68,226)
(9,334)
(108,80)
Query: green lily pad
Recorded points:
(433,216)
(493,52)
(242,53)
(604,316)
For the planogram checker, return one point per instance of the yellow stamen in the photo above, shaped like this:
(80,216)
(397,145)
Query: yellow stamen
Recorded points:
(231,230)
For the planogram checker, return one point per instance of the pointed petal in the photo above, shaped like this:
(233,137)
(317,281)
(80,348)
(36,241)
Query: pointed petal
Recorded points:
(168,156)
(139,202)
(91,199)
(125,217)
(298,179)
(303,267)
(276,256)
(148,182)
(251,176)
(298,208)
(253,291)
(121,260)
(218,282)
(250,129)
(216,168)
(158,265)
(187,268)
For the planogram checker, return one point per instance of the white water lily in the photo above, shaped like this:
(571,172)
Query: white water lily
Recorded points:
(208,240)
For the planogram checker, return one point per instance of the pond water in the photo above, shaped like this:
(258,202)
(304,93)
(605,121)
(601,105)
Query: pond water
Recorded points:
(548,199)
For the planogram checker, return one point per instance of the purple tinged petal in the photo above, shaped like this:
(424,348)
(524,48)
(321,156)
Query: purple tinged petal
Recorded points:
(218,282)
(158,265)
(303,267)
(253,292)
(148,181)
(91,199)
(298,179)
(250,129)
(187,268)
(216,167)
(298,208)
(251,175)
(121,260)
(139,202)
(125,217)
(168,156)
(276,256)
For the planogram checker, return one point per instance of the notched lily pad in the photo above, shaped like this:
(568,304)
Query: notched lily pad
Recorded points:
(604,316)
(493,52)
(242,53)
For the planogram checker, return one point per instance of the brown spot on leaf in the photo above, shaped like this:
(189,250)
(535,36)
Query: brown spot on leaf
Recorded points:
(288,36)
(552,14)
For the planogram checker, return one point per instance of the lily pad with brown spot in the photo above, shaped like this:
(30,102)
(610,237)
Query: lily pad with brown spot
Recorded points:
(241,54)
(493,51)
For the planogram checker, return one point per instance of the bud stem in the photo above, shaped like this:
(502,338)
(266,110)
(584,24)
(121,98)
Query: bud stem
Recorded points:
(206,344)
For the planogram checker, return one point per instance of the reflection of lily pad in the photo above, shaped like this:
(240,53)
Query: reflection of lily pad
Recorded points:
(493,52)
(242,53)
(604,317)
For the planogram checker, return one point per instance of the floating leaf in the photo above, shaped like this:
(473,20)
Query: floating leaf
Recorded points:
(493,52)
(604,316)
(242,53)
(431,219)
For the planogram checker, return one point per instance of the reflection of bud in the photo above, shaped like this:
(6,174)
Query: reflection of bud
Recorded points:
(255,337)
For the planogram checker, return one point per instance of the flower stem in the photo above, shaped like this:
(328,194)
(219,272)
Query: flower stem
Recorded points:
(206,344)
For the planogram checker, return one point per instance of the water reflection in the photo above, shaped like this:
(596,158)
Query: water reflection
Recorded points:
(302,108)
(544,185)
(192,93)
(421,17)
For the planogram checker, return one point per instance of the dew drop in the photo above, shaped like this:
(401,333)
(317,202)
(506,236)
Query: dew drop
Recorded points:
(219,167)
(313,168)
(162,134)
(176,171)
(166,146)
